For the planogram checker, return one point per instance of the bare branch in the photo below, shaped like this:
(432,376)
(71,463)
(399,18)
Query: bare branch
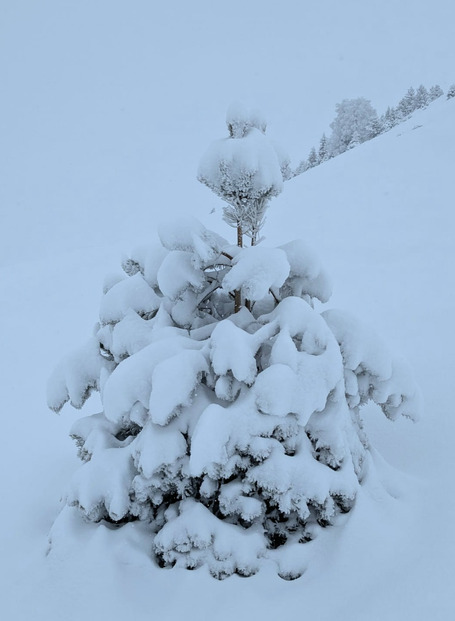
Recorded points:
(277,300)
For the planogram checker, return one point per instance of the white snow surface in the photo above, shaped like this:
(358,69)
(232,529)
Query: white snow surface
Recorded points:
(256,270)
(306,274)
(132,381)
(110,479)
(157,447)
(316,364)
(189,235)
(233,350)
(371,372)
(75,376)
(176,272)
(131,293)
(198,527)
(381,217)
(173,382)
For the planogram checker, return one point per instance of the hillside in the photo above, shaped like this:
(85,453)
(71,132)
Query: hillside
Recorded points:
(381,219)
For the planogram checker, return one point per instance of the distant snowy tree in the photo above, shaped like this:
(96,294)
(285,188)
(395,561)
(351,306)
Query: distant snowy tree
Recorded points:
(354,116)
(451,92)
(312,158)
(233,437)
(376,127)
(323,153)
(390,118)
(301,168)
(435,92)
(422,97)
(355,140)
(407,104)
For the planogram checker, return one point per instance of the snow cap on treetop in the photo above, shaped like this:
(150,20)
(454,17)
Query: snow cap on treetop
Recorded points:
(240,120)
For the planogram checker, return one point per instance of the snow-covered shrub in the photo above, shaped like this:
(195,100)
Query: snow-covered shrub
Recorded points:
(233,435)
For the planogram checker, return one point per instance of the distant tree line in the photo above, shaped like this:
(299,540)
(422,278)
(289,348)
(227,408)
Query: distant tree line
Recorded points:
(357,121)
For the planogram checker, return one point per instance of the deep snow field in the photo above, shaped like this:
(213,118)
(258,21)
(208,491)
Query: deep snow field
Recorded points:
(380,217)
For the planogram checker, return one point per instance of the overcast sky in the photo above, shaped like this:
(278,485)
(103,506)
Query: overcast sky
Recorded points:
(115,101)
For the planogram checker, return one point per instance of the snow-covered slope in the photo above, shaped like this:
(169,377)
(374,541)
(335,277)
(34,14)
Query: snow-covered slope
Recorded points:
(381,217)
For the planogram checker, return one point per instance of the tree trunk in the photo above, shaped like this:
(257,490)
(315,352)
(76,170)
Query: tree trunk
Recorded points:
(237,294)
(239,235)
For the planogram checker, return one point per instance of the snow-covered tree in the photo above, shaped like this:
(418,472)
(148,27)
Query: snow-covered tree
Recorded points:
(245,170)
(234,437)
(451,92)
(323,153)
(354,116)
(355,140)
(301,168)
(376,127)
(390,118)
(422,97)
(407,104)
(435,92)
(312,158)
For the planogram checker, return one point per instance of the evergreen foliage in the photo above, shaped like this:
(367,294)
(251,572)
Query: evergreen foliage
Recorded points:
(232,435)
